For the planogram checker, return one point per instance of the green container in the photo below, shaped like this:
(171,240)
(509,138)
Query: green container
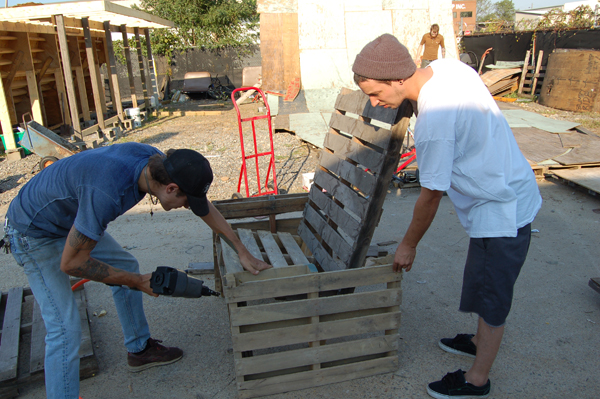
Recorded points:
(18,136)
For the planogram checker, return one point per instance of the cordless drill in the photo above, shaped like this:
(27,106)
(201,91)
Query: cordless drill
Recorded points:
(169,281)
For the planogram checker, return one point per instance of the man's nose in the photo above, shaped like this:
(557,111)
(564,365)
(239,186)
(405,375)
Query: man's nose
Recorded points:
(374,101)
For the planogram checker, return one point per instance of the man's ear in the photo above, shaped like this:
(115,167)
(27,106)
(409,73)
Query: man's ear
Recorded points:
(172,187)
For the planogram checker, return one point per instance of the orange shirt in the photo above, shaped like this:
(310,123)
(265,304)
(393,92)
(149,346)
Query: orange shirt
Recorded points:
(431,46)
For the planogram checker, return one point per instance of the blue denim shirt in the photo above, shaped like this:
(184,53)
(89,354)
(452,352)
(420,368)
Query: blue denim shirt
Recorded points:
(88,190)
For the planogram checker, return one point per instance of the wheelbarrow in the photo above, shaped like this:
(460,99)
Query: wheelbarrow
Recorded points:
(46,144)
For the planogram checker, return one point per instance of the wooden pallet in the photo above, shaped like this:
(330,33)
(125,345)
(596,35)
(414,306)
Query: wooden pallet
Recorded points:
(22,345)
(314,338)
(329,329)
(532,77)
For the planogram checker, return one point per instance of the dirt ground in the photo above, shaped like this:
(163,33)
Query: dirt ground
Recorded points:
(215,136)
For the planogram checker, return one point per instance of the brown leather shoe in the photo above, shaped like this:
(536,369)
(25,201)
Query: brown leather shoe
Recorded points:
(154,355)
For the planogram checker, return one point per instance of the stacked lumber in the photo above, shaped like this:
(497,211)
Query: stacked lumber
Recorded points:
(501,82)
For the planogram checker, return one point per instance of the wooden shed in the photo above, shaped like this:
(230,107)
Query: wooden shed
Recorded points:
(50,60)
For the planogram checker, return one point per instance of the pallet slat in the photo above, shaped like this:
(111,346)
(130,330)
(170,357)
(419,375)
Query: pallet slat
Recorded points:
(358,177)
(359,153)
(323,354)
(316,332)
(313,282)
(11,328)
(292,248)
(328,234)
(323,258)
(252,389)
(327,205)
(271,312)
(38,332)
(342,193)
(231,260)
(272,249)
(247,238)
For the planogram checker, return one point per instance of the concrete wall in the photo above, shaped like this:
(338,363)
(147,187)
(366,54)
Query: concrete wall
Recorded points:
(332,33)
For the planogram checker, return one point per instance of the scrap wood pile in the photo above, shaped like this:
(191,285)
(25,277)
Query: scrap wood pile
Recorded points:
(501,82)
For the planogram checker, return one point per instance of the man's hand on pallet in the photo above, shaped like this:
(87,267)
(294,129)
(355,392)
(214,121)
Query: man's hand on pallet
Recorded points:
(251,264)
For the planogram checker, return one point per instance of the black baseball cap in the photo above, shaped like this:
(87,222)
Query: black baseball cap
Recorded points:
(192,173)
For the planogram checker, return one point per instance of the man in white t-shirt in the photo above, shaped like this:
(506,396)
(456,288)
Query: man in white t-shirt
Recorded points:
(466,148)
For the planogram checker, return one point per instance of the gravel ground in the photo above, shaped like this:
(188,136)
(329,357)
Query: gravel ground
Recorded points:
(215,136)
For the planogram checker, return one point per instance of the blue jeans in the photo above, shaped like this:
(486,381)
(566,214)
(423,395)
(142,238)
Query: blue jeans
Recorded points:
(40,259)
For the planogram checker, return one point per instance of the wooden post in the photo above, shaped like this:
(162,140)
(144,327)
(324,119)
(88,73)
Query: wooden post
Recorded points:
(138,46)
(77,65)
(22,43)
(39,78)
(111,66)
(524,73)
(50,47)
(66,60)
(153,88)
(129,67)
(98,54)
(91,57)
(17,64)
(5,122)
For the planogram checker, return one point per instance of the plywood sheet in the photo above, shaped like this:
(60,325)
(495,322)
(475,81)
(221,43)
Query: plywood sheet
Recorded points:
(325,69)
(518,117)
(271,48)
(419,19)
(586,152)
(363,27)
(309,127)
(538,145)
(321,24)
(585,177)
(571,82)
(291,51)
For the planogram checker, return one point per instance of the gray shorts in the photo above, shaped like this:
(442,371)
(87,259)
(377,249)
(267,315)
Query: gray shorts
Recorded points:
(492,267)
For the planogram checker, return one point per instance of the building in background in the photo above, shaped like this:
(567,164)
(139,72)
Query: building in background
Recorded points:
(464,15)
(535,14)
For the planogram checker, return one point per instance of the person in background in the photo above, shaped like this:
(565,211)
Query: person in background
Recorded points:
(431,42)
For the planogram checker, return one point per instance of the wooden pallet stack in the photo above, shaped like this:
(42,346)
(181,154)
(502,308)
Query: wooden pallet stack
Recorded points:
(501,81)
(22,345)
(318,317)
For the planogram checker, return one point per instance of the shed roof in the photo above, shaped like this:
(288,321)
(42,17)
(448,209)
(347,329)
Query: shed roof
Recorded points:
(95,10)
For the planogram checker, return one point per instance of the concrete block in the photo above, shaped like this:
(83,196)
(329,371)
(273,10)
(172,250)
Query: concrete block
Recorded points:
(14,155)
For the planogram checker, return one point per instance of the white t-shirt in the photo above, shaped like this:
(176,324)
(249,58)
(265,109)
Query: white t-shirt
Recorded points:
(465,147)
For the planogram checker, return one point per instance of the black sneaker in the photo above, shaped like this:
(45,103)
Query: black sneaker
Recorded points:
(153,355)
(460,345)
(454,385)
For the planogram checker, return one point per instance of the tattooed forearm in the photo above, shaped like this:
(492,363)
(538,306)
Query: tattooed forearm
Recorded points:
(91,269)
(79,241)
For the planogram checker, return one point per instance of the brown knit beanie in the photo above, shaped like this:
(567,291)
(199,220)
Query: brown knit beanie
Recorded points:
(385,58)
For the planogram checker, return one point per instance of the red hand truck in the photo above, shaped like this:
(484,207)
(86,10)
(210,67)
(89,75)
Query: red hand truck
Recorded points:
(262,190)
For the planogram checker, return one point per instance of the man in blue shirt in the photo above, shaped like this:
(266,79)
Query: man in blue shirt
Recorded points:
(56,228)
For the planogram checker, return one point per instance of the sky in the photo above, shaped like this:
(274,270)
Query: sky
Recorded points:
(519,4)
